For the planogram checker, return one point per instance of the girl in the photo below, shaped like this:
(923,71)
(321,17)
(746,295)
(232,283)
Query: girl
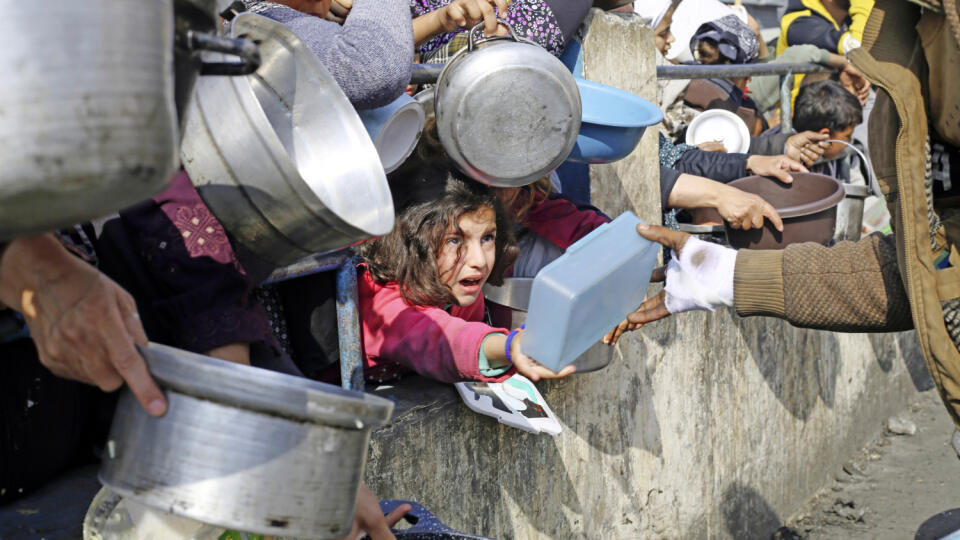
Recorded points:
(421,305)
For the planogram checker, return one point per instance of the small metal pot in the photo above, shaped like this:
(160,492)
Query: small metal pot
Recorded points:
(87,117)
(514,297)
(508,112)
(242,447)
(281,157)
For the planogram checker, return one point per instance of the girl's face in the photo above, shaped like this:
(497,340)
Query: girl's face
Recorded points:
(466,256)
(662,36)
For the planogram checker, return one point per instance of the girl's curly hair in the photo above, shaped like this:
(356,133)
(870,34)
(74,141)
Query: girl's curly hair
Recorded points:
(430,199)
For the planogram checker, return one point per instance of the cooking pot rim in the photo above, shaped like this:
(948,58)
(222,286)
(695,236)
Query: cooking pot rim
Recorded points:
(805,209)
(257,389)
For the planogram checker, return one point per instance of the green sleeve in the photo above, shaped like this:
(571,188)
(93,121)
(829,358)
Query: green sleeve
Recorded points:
(484,365)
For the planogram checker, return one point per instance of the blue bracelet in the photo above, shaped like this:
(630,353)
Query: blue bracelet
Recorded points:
(510,337)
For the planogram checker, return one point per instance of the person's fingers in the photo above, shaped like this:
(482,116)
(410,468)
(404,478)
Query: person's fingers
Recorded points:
(334,18)
(771,213)
(756,219)
(569,370)
(659,274)
(473,12)
(613,335)
(128,363)
(394,517)
(652,309)
(490,23)
(781,175)
(666,237)
(337,9)
(381,531)
(457,14)
(502,7)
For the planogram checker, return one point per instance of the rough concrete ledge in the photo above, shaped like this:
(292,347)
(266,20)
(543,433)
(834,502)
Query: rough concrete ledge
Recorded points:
(705,425)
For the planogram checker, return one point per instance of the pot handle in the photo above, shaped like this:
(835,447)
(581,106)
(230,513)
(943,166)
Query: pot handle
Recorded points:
(872,184)
(471,43)
(246,50)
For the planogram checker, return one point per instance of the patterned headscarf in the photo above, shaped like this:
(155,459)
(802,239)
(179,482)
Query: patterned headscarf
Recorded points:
(734,38)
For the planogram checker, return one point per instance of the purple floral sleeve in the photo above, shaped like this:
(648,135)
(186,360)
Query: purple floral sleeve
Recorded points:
(531,19)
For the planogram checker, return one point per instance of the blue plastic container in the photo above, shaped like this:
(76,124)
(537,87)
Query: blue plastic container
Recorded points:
(587,291)
(612,123)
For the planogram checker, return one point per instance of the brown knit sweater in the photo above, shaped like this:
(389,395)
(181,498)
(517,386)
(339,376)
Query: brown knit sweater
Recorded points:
(850,287)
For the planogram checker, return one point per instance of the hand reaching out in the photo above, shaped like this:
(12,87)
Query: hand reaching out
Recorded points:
(806,146)
(699,276)
(530,368)
(855,82)
(744,210)
(778,167)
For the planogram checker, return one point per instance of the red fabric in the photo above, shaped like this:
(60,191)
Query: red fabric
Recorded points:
(561,222)
(398,337)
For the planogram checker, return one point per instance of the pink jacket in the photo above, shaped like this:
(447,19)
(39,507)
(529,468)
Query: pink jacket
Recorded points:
(398,337)
(561,221)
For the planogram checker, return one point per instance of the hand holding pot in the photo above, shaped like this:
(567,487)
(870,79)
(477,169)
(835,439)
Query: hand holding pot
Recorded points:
(370,520)
(778,167)
(744,210)
(466,13)
(83,324)
(699,276)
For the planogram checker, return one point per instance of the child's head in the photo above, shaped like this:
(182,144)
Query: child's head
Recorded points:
(451,236)
(661,23)
(827,107)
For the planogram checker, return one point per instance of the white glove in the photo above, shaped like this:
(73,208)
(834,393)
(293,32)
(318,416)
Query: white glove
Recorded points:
(700,278)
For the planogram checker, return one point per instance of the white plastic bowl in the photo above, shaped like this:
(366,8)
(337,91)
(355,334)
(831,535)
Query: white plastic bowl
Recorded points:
(719,125)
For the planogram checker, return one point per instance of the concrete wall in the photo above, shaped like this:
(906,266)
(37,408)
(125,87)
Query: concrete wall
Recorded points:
(704,425)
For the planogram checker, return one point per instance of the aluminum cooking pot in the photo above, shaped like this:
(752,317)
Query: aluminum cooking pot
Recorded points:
(281,157)
(243,448)
(508,112)
(196,28)
(87,117)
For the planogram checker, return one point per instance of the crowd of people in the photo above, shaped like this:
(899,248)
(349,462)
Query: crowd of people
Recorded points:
(74,303)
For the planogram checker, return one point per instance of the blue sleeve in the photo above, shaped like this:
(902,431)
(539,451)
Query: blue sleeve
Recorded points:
(719,166)
(370,56)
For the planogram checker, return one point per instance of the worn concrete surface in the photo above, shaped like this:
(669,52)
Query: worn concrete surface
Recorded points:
(704,425)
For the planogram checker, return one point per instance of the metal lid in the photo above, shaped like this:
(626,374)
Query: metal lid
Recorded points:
(265,391)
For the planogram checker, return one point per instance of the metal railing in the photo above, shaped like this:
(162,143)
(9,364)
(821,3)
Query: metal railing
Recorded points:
(429,73)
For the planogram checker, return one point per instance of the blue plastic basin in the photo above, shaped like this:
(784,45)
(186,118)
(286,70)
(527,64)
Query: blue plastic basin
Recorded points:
(613,122)
(587,291)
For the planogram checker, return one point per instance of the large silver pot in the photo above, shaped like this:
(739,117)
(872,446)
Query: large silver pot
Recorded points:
(87,117)
(242,447)
(508,112)
(280,156)
(514,295)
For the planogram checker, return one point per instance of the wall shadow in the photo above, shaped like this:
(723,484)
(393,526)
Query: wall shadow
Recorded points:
(799,366)
(885,347)
(746,514)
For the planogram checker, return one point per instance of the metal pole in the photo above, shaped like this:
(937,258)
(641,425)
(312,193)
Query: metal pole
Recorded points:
(786,106)
(723,71)
(348,326)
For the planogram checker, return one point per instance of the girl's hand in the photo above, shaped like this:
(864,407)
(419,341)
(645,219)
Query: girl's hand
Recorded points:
(467,13)
(744,210)
(369,518)
(712,146)
(530,368)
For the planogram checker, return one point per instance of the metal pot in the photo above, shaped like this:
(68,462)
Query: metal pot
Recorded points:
(87,117)
(281,157)
(514,295)
(195,22)
(242,447)
(500,145)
